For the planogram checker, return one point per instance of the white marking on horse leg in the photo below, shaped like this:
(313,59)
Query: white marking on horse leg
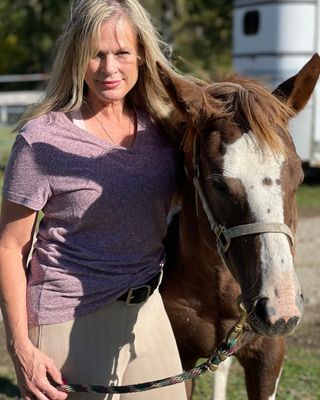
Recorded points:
(273,397)
(220,379)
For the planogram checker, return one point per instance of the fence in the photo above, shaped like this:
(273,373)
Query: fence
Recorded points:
(13,103)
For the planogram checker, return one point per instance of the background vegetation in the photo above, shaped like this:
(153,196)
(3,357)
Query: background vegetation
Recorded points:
(198,31)
(28,31)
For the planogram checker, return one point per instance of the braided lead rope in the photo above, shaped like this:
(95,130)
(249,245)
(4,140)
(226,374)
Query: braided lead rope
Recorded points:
(211,364)
(226,349)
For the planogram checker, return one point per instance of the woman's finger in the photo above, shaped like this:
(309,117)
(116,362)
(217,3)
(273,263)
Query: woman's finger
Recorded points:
(50,392)
(54,374)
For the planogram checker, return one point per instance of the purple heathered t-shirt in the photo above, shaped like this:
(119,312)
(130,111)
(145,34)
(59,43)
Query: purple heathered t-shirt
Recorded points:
(105,209)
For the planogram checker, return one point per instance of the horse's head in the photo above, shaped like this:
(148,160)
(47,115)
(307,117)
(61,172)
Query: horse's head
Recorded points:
(241,157)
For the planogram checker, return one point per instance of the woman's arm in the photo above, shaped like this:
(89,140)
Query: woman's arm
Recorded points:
(32,366)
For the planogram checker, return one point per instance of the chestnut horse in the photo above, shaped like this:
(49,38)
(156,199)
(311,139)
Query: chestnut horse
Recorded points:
(242,171)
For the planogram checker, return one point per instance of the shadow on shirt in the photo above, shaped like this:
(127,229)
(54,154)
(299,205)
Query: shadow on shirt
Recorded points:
(85,195)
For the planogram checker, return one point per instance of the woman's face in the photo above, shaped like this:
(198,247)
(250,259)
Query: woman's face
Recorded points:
(113,72)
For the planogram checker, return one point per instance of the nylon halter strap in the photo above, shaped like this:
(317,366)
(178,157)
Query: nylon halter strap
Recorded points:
(223,234)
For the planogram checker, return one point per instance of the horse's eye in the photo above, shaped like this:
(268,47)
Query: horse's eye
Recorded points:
(228,189)
(219,184)
(222,187)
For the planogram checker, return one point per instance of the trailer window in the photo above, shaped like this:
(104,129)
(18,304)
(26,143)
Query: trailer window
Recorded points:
(251,22)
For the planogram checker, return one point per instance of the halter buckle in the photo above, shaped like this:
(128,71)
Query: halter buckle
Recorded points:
(223,241)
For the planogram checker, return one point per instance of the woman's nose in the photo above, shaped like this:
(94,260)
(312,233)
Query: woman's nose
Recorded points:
(110,65)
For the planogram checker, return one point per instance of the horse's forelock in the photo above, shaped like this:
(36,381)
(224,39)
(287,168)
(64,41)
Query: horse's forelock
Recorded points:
(251,106)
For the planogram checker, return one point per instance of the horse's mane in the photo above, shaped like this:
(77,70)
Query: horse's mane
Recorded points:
(251,106)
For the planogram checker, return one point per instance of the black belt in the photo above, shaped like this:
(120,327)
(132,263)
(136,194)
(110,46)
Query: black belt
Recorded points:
(142,293)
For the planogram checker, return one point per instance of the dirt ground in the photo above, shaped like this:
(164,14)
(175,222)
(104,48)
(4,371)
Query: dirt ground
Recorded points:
(307,262)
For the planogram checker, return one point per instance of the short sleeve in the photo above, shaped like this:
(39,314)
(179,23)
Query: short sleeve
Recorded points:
(24,182)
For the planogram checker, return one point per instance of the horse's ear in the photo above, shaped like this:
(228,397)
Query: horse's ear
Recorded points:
(186,95)
(297,90)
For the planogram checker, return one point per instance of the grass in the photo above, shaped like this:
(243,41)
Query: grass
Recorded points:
(6,140)
(308,197)
(299,380)
(8,388)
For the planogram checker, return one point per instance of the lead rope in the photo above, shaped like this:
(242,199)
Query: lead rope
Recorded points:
(225,350)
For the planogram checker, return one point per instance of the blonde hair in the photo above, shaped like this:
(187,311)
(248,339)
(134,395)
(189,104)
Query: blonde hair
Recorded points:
(66,87)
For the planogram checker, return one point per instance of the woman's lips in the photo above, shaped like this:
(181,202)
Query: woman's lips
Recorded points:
(111,84)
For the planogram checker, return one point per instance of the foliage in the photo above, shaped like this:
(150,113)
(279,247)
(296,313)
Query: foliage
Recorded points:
(203,35)
(28,31)
(199,32)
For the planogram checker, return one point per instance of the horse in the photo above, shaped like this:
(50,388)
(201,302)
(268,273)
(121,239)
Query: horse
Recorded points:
(234,235)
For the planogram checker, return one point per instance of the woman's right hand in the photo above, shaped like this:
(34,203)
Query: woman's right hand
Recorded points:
(35,370)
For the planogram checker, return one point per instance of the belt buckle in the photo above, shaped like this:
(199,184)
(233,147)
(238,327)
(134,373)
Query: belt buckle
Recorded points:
(131,296)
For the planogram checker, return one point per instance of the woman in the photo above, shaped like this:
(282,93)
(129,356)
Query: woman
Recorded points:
(93,156)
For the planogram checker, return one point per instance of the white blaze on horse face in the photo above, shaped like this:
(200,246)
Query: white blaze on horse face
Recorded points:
(260,173)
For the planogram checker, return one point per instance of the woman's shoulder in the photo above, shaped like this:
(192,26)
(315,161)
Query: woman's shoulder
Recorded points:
(49,120)
(39,127)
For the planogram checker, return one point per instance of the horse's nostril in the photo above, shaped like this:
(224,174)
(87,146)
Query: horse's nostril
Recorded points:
(264,312)
(300,302)
(269,321)
(292,323)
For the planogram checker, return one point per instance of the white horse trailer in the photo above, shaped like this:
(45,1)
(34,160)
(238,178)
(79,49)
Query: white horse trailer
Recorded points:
(272,40)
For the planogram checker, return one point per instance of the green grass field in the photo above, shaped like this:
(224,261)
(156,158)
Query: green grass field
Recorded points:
(300,378)
(6,140)
(308,196)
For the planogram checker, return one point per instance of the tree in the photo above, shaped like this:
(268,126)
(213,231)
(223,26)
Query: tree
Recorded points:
(199,32)
(203,35)
(28,32)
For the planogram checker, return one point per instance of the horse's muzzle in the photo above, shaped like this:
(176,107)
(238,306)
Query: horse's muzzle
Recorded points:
(270,320)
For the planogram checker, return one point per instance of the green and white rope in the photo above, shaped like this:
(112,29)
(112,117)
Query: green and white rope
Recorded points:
(224,351)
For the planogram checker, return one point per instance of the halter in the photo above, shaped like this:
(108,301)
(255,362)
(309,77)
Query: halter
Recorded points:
(223,234)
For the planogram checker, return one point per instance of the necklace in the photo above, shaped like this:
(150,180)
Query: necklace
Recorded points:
(101,125)
(104,129)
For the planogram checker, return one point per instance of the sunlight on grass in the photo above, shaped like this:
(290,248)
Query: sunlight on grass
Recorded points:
(6,140)
(299,380)
(308,197)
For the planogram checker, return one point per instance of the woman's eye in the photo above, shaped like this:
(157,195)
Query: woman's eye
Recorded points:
(123,53)
(99,56)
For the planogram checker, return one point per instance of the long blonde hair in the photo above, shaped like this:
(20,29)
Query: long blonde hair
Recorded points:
(66,87)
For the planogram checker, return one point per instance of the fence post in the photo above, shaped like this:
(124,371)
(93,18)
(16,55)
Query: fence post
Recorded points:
(4,115)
